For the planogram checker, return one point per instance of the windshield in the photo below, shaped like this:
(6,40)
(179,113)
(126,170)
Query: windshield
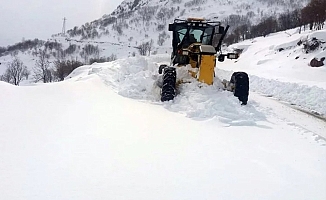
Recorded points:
(195,34)
(181,34)
(187,36)
(207,36)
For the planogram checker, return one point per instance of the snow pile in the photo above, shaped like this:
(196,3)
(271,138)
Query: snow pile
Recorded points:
(136,78)
(309,98)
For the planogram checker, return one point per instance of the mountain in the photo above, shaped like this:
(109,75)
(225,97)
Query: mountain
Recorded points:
(133,23)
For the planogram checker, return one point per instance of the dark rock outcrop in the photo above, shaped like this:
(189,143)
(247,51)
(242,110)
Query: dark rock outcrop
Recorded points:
(317,63)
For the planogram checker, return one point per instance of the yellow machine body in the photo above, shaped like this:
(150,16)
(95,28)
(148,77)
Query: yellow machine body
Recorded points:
(202,57)
(196,45)
(206,69)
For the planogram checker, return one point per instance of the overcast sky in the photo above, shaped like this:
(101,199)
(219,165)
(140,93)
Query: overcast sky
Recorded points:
(31,19)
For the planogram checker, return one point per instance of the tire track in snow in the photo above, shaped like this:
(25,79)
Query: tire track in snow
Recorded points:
(293,116)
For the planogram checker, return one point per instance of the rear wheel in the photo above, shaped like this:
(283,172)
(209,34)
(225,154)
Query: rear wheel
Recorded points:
(241,86)
(169,82)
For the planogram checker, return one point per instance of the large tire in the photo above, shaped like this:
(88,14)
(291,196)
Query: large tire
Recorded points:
(241,86)
(169,82)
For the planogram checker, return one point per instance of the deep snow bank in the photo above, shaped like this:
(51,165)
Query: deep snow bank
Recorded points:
(309,98)
(136,78)
(279,66)
(282,56)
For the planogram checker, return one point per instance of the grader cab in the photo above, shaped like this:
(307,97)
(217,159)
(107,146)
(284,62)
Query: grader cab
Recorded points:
(197,42)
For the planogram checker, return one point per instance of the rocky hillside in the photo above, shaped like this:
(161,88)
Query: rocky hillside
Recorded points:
(142,22)
(136,21)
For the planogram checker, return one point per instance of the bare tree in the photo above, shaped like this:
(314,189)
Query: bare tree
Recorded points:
(42,71)
(5,77)
(112,58)
(161,38)
(146,47)
(150,46)
(90,50)
(103,59)
(26,74)
(64,68)
(142,49)
(147,13)
(2,50)
(60,70)
(15,72)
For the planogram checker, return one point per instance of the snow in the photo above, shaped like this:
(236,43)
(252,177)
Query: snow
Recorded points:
(262,57)
(285,75)
(103,134)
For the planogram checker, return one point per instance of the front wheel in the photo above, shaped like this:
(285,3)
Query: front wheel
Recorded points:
(169,82)
(241,86)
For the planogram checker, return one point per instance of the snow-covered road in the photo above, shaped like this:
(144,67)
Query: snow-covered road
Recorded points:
(308,123)
(104,134)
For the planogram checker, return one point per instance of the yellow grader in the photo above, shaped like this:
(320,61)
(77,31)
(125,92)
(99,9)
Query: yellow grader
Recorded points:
(197,42)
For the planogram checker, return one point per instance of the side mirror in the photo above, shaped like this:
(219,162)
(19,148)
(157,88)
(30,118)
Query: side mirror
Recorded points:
(232,56)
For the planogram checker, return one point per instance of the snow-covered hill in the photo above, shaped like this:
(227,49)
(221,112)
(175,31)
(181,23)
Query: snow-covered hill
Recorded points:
(281,59)
(284,54)
(103,134)
(139,21)
(133,23)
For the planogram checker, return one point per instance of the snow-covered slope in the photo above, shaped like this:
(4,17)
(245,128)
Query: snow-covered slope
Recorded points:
(138,21)
(280,67)
(102,134)
(214,8)
(283,55)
